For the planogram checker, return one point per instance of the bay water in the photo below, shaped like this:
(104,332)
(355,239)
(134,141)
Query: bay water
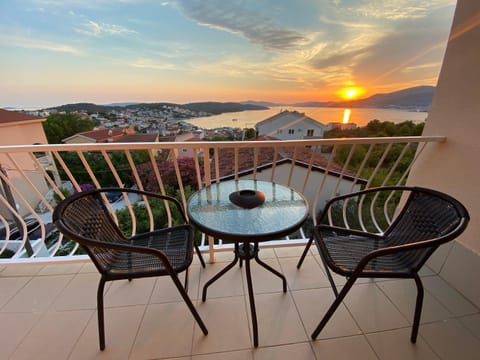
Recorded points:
(324,115)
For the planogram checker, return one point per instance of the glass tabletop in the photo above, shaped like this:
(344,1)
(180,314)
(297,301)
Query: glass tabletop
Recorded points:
(283,211)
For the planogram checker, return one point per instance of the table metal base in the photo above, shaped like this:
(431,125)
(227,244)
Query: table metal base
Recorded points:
(246,251)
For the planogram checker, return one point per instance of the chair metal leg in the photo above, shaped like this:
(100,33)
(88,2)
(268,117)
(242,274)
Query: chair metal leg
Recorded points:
(189,303)
(333,307)
(186,281)
(305,251)
(200,256)
(418,309)
(100,313)
(328,272)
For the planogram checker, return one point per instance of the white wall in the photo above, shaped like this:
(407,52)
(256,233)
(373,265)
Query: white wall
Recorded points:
(453,167)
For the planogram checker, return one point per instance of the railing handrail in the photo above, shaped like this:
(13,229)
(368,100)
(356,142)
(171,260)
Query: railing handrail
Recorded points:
(218,144)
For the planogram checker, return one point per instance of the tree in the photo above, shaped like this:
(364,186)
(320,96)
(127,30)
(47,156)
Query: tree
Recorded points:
(60,126)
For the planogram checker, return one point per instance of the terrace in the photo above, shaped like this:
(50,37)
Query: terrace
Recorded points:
(47,302)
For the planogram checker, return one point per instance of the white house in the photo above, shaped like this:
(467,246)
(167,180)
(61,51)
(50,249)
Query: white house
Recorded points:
(290,125)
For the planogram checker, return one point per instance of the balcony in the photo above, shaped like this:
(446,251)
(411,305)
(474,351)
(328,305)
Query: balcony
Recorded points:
(47,302)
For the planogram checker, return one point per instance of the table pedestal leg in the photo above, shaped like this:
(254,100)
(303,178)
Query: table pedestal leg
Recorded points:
(219,274)
(246,251)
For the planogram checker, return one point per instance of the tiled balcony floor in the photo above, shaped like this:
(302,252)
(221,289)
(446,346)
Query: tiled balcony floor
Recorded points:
(48,312)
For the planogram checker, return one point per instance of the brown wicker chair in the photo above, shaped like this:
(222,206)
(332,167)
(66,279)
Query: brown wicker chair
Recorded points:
(87,219)
(385,232)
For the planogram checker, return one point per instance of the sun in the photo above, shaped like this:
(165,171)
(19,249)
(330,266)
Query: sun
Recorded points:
(351,93)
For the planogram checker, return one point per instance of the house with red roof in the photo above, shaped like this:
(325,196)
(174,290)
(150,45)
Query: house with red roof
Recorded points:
(290,125)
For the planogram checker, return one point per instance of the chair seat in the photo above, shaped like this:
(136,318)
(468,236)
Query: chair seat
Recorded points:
(175,243)
(345,249)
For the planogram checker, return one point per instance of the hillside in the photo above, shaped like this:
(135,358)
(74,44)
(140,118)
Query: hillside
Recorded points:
(419,97)
(208,107)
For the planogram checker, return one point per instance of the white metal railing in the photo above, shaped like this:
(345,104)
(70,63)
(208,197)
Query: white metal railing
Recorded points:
(34,178)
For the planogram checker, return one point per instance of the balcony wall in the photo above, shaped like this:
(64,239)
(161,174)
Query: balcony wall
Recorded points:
(453,167)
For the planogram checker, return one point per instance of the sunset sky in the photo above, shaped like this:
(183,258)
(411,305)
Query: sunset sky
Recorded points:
(55,52)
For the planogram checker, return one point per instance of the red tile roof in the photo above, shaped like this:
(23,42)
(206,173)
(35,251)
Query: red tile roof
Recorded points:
(137,138)
(7,116)
(265,157)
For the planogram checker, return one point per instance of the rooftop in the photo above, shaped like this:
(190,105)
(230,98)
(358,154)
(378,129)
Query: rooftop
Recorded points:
(7,116)
(48,312)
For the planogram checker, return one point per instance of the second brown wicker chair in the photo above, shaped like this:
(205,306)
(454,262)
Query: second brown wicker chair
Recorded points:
(86,218)
(385,232)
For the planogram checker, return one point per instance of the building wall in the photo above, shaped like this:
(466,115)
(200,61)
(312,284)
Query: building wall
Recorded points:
(23,133)
(453,167)
(290,126)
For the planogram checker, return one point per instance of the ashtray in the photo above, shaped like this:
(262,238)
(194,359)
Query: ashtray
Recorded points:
(247,198)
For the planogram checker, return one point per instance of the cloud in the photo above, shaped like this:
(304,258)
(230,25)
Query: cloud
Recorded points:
(397,10)
(235,18)
(38,44)
(92,28)
(151,64)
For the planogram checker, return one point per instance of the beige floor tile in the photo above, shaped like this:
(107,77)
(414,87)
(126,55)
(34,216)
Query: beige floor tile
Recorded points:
(290,251)
(309,276)
(166,331)
(263,280)
(266,253)
(450,340)
(403,293)
(426,271)
(10,286)
(230,284)
(13,329)
(347,348)
(300,351)
(278,320)
(60,269)
(226,320)
(80,293)
(455,302)
(372,310)
(221,256)
(166,291)
(472,323)
(88,267)
(54,336)
(38,294)
(396,345)
(125,293)
(231,355)
(121,326)
(21,270)
(312,304)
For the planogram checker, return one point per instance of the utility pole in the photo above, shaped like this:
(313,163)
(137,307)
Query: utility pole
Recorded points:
(11,200)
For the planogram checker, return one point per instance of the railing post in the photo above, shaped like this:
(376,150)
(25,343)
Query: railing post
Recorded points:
(11,200)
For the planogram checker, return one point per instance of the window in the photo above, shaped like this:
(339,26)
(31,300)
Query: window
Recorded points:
(291,131)
(310,132)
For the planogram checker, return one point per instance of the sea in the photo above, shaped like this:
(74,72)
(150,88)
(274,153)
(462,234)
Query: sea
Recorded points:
(325,115)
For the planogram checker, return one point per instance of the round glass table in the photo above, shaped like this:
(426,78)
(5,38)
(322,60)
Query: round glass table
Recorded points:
(247,212)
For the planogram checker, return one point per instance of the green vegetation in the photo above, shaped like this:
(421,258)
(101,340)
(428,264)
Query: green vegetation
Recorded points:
(60,126)
(100,167)
(376,128)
